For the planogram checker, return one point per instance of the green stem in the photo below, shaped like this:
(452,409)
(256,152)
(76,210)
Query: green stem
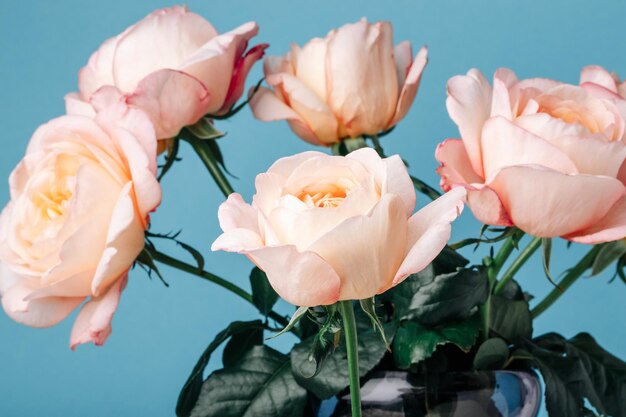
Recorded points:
(485,316)
(192,269)
(424,188)
(377,146)
(568,280)
(517,264)
(349,328)
(492,273)
(201,147)
(503,254)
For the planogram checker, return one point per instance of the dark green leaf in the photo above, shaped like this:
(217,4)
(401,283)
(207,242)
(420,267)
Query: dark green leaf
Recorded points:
(300,312)
(333,373)
(240,343)
(146,261)
(510,319)
(260,385)
(434,299)
(368,307)
(492,354)
(414,342)
(190,391)
(546,249)
(510,314)
(448,261)
(609,253)
(170,157)
(608,373)
(504,233)
(620,270)
(193,252)
(324,341)
(576,371)
(263,295)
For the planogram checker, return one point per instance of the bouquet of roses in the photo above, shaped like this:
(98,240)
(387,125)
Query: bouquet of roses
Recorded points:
(377,285)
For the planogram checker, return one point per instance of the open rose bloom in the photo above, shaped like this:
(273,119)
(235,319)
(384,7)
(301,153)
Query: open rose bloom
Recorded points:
(539,154)
(173,65)
(330,228)
(353,82)
(79,206)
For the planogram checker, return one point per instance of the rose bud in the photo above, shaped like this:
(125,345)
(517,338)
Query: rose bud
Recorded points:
(354,82)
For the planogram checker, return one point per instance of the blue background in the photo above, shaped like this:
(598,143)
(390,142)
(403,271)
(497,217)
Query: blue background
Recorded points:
(159,332)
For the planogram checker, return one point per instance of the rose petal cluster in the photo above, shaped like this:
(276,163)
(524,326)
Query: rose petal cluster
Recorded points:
(173,65)
(353,82)
(329,228)
(80,202)
(545,156)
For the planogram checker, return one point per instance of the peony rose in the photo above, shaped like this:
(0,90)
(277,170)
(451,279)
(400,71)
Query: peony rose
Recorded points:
(352,83)
(79,206)
(173,65)
(329,228)
(539,154)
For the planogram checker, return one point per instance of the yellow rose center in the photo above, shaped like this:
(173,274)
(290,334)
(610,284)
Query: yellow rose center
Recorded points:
(573,115)
(51,203)
(327,197)
(49,199)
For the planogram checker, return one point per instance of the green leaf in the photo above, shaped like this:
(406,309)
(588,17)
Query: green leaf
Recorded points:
(146,262)
(263,295)
(492,354)
(504,233)
(216,154)
(576,371)
(333,373)
(510,314)
(546,249)
(433,299)
(190,391)
(609,253)
(510,319)
(346,146)
(193,252)
(448,261)
(260,385)
(368,307)
(205,129)
(323,342)
(240,343)
(170,157)
(414,342)
(607,371)
(620,269)
(300,312)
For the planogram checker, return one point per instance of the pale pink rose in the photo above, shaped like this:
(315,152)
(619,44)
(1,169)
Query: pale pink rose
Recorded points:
(80,201)
(329,228)
(353,82)
(539,154)
(173,65)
